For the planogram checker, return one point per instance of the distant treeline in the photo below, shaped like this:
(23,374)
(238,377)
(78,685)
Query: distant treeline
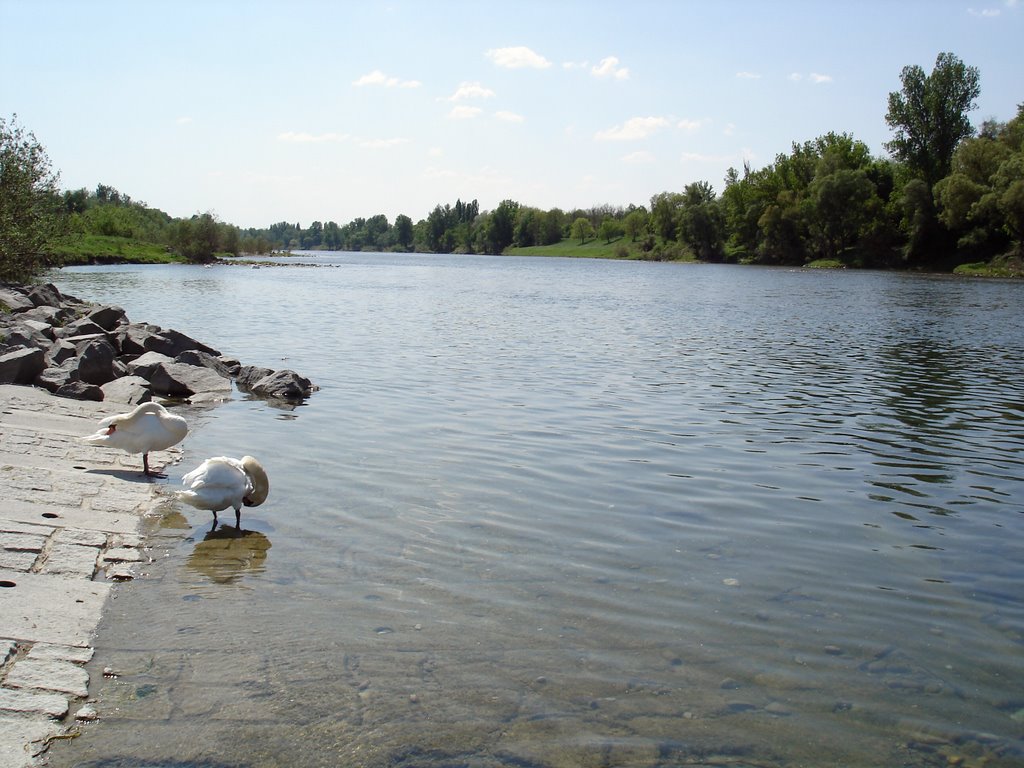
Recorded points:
(947,195)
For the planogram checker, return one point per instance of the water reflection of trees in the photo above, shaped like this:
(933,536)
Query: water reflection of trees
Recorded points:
(227,554)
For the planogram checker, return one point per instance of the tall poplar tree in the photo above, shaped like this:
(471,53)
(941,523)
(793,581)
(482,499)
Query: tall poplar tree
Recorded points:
(929,115)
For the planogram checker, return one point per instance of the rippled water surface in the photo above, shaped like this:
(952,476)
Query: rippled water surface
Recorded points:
(573,513)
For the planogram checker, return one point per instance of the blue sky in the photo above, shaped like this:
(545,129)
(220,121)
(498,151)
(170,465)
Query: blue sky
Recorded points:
(260,112)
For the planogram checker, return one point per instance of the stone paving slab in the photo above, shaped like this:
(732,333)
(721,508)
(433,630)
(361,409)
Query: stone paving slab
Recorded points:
(70,518)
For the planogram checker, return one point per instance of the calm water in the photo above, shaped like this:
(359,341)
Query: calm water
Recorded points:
(573,513)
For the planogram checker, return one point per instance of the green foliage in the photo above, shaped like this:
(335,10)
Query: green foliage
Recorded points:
(582,229)
(929,115)
(30,207)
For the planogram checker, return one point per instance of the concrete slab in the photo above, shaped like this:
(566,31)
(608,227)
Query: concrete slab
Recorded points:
(43,608)
(70,519)
(23,738)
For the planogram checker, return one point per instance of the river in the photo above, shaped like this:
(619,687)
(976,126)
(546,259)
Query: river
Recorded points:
(555,512)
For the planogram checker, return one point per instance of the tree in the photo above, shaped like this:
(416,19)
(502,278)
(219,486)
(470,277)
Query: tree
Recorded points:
(582,228)
(403,231)
(929,115)
(701,223)
(30,205)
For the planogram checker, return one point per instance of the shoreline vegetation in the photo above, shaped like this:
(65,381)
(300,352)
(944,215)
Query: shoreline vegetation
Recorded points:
(101,249)
(948,198)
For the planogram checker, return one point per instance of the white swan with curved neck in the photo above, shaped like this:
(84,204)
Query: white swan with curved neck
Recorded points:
(149,427)
(223,482)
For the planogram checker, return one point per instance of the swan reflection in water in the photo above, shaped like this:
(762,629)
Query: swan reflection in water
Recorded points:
(226,554)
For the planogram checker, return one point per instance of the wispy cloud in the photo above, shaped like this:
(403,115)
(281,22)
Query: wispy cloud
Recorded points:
(382,143)
(464,112)
(471,91)
(509,117)
(517,57)
(690,125)
(814,77)
(379,78)
(986,13)
(184,121)
(633,129)
(301,137)
(748,75)
(638,158)
(609,67)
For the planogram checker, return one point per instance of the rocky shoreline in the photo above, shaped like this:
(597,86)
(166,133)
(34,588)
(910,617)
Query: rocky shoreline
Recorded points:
(76,349)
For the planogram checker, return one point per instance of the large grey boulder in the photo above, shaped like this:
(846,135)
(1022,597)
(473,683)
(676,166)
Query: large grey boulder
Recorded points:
(15,300)
(127,390)
(21,366)
(248,375)
(107,318)
(96,361)
(226,367)
(45,295)
(183,380)
(80,390)
(54,377)
(283,385)
(138,338)
(59,351)
(144,365)
(81,327)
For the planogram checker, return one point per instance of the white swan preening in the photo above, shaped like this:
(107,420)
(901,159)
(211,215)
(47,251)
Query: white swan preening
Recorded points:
(223,482)
(150,427)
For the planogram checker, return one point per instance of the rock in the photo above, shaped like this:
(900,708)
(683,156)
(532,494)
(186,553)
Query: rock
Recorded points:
(15,301)
(38,326)
(79,390)
(107,318)
(96,361)
(285,385)
(129,390)
(51,315)
(59,351)
(82,327)
(250,374)
(45,295)
(144,365)
(206,360)
(182,380)
(25,335)
(136,339)
(55,377)
(21,366)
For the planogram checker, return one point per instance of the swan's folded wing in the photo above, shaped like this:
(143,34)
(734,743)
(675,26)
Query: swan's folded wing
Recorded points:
(218,472)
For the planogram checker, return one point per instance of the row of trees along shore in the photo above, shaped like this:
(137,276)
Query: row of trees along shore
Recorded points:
(948,194)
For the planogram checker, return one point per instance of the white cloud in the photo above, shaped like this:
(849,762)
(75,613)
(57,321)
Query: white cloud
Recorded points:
(463,112)
(471,91)
(301,137)
(517,57)
(509,117)
(690,125)
(734,158)
(609,67)
(987,13)
(633,129)
(814,77)
(379,78)
(435,152)
(748,76)
(382,143)
(184,121)
(575,64)
(638,158)
(729,129)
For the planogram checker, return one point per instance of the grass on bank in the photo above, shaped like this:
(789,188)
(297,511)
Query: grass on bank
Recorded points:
(597,248)
(106,249)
